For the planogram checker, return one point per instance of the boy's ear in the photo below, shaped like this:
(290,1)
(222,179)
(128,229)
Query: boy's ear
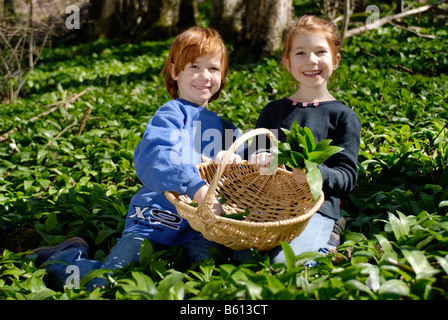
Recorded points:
(286,63)
(173,73)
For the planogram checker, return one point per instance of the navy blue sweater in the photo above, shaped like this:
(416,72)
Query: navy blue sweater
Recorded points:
(328,120)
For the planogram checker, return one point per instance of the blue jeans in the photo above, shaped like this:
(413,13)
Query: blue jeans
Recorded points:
(124,252)
(313,238)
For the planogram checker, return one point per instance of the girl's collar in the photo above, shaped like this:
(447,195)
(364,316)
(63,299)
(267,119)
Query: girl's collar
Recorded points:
(300,104)
(305,104)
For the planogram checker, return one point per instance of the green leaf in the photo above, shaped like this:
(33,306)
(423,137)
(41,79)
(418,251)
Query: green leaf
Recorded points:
(309,138)
(51,222)
(400,226)
(443,262)
(419,263)
(103,234)
(146,252)
(357,285)
(97,273)
(314,178)
(289,255)
(394,287)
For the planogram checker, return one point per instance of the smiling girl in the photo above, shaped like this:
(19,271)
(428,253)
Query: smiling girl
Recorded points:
(311,56)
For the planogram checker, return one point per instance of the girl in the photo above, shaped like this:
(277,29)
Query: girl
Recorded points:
(177,136)
(311,56)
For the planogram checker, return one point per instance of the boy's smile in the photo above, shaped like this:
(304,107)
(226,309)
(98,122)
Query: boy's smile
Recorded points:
(199,80)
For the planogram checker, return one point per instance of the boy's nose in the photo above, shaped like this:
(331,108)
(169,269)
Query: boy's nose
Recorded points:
(205,74)
(312,58)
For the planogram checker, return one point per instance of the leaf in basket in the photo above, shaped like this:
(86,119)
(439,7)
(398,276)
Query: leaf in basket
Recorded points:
(194,203)
(323,153)
(297,160)
(222,199)
(301,151)
(314,178)
(309,138)
(281,152)
(237,216)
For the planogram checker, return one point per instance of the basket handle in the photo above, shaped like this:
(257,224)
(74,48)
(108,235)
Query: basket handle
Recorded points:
(232,149)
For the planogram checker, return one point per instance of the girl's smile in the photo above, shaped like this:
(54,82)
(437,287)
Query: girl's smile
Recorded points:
(311,63)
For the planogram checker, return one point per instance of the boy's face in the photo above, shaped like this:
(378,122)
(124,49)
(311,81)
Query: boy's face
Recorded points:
(199,80)
(311,61)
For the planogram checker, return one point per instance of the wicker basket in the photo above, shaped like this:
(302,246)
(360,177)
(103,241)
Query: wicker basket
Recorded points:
(280,207)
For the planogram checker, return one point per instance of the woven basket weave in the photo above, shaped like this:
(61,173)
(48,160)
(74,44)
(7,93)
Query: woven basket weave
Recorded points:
(280,207)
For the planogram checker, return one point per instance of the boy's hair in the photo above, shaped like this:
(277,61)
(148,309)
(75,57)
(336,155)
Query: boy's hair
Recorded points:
(315,25)
(188,46)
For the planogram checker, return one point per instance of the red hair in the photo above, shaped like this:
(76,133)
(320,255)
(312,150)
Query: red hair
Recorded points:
(188,46)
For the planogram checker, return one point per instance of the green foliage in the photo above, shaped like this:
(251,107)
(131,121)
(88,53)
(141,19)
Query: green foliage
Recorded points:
(302,152)
(63,184)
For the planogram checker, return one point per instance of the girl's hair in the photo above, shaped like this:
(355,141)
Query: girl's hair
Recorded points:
(312,24)
(188,46)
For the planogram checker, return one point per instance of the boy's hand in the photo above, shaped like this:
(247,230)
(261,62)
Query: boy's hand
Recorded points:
(200,195)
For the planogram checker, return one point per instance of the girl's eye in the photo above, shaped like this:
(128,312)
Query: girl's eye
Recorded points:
(300,53)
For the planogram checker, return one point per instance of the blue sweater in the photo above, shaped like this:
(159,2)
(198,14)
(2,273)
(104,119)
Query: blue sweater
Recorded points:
(174,140)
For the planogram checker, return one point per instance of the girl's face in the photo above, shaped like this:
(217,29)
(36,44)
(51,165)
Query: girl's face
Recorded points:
(311,62)
(199,80)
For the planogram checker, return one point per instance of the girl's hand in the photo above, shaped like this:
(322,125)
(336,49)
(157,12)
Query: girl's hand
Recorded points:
(299,175)
(260,160)
(200,195)
(233,161)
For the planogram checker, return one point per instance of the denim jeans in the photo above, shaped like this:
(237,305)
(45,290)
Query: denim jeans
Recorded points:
(314,238)
(124,252)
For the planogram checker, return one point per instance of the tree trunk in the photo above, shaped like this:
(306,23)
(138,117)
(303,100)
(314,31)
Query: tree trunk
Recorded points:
(263,28)
(188,14)
(161,20)
(105,17)
(226,17)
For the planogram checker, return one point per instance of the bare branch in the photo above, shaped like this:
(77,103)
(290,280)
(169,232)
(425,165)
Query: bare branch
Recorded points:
(85,117)
(390,18)
(54,107)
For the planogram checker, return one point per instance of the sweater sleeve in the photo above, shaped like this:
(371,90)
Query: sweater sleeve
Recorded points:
(153,159)
(339,173)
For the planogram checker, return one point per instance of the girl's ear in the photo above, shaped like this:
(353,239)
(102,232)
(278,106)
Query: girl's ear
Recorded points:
(286,63)
(336,61)
(173,73)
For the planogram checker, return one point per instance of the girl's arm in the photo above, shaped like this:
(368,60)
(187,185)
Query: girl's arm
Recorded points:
(339,173)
